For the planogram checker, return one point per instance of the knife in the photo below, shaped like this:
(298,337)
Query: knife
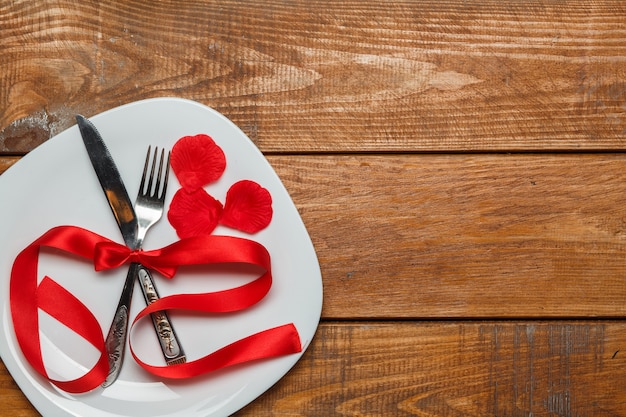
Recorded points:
(122,208)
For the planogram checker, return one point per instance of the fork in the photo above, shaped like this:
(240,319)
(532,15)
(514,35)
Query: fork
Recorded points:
(148,210)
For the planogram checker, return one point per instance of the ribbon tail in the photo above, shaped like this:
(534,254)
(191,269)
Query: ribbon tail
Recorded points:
(278,341)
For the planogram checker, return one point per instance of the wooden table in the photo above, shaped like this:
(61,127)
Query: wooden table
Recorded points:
(459,165)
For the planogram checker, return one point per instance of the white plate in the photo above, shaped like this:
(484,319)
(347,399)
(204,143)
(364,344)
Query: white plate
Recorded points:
(55,185)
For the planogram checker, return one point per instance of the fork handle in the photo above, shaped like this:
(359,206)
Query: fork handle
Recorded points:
(115,342)
(170,346)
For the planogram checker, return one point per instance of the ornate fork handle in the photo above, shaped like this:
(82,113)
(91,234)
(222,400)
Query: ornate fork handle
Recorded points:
(172,350)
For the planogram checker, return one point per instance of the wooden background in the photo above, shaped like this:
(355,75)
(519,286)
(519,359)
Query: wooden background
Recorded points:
(460,167)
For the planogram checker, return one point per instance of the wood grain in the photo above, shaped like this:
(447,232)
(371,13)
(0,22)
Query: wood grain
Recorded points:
(455,369)
(13,401)
(459,166)
(6,162)
(425,236)
(324,76)
(465,236)
(442,369)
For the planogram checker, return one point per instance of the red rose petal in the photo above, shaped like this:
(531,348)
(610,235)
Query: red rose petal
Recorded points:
(194,214)
(197,161)
(248,207)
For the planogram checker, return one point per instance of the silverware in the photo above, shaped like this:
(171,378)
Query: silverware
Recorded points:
(124,213)
(149,209)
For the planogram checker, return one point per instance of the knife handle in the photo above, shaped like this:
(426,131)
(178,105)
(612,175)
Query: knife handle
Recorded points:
(170,346)
(115,342)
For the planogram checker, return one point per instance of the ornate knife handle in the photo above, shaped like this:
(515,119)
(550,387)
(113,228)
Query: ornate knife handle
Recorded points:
(115,342)
(172,350)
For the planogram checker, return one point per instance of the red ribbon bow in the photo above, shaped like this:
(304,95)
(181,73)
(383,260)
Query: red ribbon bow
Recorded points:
(110,255)
(26,297)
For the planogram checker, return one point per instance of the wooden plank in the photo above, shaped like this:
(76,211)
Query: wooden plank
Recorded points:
(14,403)
(455,369)
(359,76)
(444,369)
(6,162)
(440,236)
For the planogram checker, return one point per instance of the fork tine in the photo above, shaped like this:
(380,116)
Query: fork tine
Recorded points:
(157,186)
(151,179)
(165,177)
(145,171)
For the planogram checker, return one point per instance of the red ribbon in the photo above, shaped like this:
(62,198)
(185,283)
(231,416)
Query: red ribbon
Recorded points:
(26,297)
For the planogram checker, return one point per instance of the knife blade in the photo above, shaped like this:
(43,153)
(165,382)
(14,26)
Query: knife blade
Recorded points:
(110,181)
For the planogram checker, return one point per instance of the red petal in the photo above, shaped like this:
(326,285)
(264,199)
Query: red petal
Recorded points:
(248,207)
(194,214)
(197,161)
